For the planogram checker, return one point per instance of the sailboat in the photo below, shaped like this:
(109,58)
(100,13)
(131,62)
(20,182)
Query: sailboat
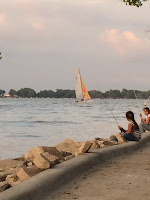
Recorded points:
(82,94)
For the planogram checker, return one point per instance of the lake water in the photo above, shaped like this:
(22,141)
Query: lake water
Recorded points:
(26,123)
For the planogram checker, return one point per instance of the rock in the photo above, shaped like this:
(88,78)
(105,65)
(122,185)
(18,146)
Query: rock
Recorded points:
(41,162)
(3,176)
(12,180)
(69,157)
(1,169)
(65,154)
(27,172)
(110,143)
(120,139)
(52,159)
(10,163)
(20,159)
(44,160)
(68,146)
(29,164)
(12,170)
(112,137)
(95,145)
(101,144)
(31,155)
(3,186)
(107,143)
(84,148)
(100,139)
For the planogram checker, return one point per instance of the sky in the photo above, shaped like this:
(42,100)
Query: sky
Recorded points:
(44,41)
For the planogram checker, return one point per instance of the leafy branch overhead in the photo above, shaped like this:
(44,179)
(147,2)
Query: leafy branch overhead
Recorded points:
(137,3)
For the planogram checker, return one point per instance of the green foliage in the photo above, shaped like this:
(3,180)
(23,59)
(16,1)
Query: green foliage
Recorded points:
(96,94)
(26,92)
(65,93)
(12,92)
(137,3)
(2,92)
(46,94)
(128,94)
(111,94)
(114,94)
(142,94)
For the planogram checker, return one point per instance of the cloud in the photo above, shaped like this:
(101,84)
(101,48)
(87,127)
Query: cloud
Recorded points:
(2,18)
(126,43)
(27,5)
(37,25)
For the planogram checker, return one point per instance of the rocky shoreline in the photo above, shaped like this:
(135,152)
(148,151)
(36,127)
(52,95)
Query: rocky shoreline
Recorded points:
(38,159)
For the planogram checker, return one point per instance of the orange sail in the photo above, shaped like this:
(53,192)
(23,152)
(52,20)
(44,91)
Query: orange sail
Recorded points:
(84,90)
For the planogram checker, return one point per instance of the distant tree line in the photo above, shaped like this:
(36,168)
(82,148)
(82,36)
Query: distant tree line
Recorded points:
(117,94)
(30,93)
(59,93)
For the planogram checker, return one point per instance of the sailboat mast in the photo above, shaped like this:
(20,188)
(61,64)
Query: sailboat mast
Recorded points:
(81,83)
(78,85)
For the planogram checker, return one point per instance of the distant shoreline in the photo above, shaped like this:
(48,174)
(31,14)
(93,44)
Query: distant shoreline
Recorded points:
(70,98)
(70,94)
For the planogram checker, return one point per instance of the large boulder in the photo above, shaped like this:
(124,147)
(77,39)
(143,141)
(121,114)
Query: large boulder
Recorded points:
(12,170)
(95,145)
(84,148)
(54,160)
(68,146)
(12,180)
(31,155)
(27,172)
(41,162)
(10,163)
(3,176)
(120,139)
(44,160)
(3,186)
(101,143)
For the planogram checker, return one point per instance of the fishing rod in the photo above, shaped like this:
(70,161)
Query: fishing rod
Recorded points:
(112,114)
(121,129)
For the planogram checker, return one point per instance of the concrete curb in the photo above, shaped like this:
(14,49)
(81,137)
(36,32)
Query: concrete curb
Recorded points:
(45,183)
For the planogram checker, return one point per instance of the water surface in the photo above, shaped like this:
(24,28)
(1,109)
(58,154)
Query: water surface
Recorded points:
(26,123)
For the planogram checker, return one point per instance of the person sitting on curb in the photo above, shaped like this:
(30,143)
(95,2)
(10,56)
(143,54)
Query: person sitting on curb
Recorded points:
(145,122)
(133,132)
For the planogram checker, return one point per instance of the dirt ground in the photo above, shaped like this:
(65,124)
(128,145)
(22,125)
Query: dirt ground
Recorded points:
(127,178)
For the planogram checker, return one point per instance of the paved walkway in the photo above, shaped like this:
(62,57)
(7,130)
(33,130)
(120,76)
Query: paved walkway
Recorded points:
(127,178)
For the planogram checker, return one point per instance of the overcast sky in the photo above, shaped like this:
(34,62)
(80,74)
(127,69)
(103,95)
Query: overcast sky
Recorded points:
(43,42)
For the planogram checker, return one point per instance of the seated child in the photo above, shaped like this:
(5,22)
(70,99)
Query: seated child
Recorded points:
(133,132)
(145,122)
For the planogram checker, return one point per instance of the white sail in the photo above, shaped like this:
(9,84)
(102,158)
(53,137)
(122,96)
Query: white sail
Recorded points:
(78,88)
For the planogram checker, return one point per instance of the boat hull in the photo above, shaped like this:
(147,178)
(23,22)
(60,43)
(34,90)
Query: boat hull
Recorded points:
(85,101)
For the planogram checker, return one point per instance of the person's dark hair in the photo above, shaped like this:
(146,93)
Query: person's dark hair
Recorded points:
(147,108)
(130,115)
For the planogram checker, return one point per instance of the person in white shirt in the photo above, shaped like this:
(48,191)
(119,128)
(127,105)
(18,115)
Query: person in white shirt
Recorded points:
(145,122)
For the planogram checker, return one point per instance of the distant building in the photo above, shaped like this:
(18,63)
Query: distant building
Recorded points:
(7,96)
